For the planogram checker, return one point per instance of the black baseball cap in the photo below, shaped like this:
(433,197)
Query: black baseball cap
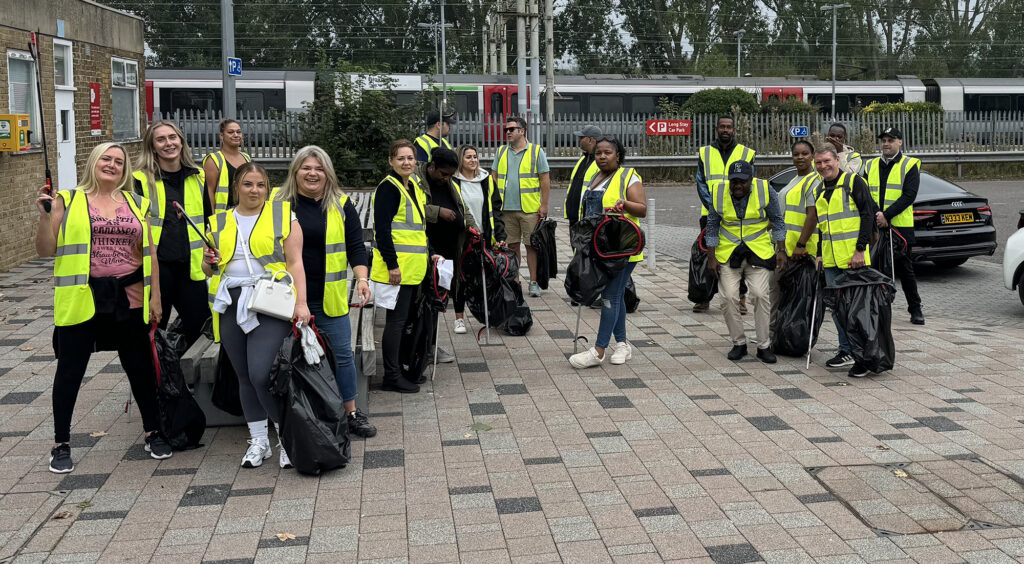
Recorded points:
(741,170)
(435,117)
(891,132)
(588,131)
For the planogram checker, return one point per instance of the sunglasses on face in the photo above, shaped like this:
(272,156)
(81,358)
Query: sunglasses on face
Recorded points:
(511,129)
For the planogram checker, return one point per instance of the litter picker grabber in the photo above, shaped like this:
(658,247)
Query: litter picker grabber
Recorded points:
(33,49)
(814,314)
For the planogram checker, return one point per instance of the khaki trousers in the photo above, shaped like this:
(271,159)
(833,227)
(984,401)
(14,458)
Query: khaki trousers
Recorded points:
(758,282)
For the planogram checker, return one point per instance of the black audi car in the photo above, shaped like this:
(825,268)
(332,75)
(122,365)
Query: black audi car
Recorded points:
(951,224)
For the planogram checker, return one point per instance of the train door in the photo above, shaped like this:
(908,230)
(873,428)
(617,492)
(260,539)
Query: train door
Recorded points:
(500,102)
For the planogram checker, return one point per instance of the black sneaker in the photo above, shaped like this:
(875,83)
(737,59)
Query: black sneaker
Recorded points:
(917,316)
(840,360)
(400,385)
(60,459)
(157,447)
(857,371)
(359,426)
(766,356)
(737,352)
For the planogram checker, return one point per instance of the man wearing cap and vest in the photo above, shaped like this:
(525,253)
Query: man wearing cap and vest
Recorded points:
(522,175)
(436,136)
(843,214)
(712,162)
(894,179)
(221,165)
(746,238)
(582,173)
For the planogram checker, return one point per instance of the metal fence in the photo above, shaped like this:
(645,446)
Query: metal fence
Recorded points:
(275,136)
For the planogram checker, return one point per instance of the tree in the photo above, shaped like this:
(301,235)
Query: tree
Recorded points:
(583,35)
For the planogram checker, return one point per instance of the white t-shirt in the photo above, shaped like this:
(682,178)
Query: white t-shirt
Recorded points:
(236,267)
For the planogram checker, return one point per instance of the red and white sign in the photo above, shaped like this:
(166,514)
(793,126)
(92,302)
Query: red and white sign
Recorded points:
(668,127)
(95,116)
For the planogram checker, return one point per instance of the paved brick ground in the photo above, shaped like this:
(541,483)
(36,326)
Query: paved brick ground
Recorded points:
(511,454)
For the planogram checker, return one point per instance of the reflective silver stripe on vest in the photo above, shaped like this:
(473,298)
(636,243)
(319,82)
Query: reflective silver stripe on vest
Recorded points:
(155,220)
(73,280)
(410,249)
(410,223)
(276,214)
(334,277)
(66,250)
(193,245)
(729,236)
(217,160)
(497,160)
(843,236)
(796,208)
(334,248)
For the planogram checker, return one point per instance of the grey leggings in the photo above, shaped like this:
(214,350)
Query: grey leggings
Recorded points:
(252,356)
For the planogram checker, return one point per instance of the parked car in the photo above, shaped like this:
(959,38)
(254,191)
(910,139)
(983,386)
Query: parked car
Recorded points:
(1013,260)
(950,224)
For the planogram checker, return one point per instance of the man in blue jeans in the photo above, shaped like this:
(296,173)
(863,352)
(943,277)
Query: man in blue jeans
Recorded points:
(843,213)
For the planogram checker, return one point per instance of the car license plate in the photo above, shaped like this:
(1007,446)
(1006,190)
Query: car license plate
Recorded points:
(965,217)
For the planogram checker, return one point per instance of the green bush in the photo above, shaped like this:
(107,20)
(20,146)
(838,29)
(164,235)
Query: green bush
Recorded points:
(720,101)
(903,108)
(788,106)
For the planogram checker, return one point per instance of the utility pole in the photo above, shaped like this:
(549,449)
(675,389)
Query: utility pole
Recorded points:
(502,44)
(440,62)
(549,69)
(739,49)
(485,50)
(521,56)
(227,49)
(493,28)
(835,9)
(535,69)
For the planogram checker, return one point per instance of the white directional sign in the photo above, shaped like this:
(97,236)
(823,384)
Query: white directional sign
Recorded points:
(799,131)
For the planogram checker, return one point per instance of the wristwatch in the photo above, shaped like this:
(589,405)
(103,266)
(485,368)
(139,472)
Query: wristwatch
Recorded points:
(801,245)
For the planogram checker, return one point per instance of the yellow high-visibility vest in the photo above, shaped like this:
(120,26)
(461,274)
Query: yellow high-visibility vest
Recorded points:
(428,144)
(714,167)
(616,190)
(752,228)
(588,175)
(796,212)
(529,178)
(409,235)
(221,198)
(839,223)
(195,189)
(893,186)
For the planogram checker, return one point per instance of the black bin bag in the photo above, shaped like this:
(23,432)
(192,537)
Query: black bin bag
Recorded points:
(182,421)
(882,256)
(520,322)
(499,273)
(542,240)
(863,303)
(630,298)
(314,428)
(702,285)
(800,296)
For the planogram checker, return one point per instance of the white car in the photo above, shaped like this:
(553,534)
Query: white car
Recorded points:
(1013,260)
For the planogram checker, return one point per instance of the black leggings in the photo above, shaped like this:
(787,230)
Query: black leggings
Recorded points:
(391,339)
(187,296)
(76,343)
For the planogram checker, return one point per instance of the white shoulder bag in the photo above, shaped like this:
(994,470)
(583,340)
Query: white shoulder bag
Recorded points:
(270,296)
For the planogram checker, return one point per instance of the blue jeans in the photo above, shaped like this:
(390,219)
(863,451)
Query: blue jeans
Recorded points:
(844,344)
(613,309)
(338,331)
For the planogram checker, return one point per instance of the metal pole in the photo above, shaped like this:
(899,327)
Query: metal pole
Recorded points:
(535,69)
(739,49)
(503,45)
(835,10)
(549,69)
(485,51)
(521,56)
(444,72)
(652,257)
(227,48)
(492,35)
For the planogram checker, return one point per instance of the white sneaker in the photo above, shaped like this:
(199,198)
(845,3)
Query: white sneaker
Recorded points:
(460,326)
(586,359)
(621,353)
(284,460)
(259,450)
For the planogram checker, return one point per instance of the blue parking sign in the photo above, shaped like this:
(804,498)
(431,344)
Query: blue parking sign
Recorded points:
(234,66)
(799,131)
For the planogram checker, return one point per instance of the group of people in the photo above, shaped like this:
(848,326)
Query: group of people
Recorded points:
(830,209)
(126,254)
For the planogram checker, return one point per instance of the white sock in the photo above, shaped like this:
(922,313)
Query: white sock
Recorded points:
(258,431)
(277,429)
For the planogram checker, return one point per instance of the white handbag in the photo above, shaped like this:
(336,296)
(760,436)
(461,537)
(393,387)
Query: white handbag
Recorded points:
(269,296)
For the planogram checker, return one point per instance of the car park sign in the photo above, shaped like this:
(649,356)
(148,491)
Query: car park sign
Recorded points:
(668,127)
(234,66)
(799,131)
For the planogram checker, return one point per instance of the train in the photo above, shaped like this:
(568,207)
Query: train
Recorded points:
(170,90)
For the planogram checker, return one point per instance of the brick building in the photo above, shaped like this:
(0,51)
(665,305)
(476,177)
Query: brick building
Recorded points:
(92,60)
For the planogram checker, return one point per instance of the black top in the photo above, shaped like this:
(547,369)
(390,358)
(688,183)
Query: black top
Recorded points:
(232,199)
(911,184)
(442,235)
(862,197)
(313,221)
(572,197)
(174,246)
(385,206)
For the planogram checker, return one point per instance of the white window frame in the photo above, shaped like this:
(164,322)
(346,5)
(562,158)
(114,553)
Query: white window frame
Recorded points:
(33,117)
(69,65)
(134,87)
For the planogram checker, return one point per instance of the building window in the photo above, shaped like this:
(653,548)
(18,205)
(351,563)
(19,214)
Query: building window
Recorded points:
(21,83)
(62,64)
(124,76)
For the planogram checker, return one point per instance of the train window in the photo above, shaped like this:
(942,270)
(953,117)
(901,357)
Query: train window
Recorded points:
(513,103)
(644,104)
(461,103)
(194,100)
(570,105)
(680,98)
(606,104)
(405,98)
(249,101)
(1020,102)
(994,103)
(496,104)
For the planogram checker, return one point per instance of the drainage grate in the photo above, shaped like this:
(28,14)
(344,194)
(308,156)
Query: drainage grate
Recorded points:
(909,498)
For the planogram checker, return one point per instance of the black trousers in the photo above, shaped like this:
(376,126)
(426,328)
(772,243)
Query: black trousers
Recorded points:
(391,339)
(904,266)
(188,297)
(76,344)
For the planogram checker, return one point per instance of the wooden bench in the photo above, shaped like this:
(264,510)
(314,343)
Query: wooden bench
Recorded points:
(199,363)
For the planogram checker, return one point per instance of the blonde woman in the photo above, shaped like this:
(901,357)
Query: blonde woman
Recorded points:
(107,290)
(254,238)
(167,174)
(332,241)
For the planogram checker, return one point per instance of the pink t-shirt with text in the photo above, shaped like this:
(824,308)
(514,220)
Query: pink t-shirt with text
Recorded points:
(117,248)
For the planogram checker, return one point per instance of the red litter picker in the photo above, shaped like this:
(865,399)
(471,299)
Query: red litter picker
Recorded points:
(33,49)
